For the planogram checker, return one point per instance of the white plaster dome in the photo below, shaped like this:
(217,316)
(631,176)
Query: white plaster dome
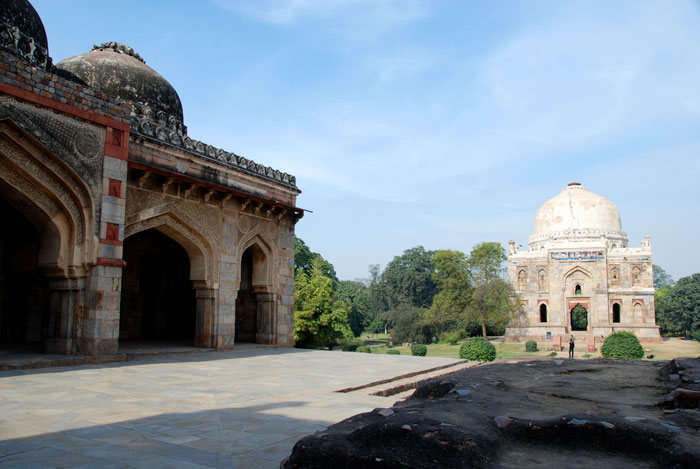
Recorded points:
(577,213)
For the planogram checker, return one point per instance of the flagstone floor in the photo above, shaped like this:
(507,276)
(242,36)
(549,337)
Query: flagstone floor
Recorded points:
(244,408)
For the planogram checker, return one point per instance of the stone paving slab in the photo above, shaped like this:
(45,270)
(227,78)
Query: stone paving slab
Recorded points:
(243,408)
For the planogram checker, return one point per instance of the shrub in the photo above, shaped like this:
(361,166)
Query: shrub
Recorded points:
(587,355)
(531,346)
(479,350)
(624,345)
(419,350)
(364,349)
(553,354)
(449,338)
(349,347)
(393,351)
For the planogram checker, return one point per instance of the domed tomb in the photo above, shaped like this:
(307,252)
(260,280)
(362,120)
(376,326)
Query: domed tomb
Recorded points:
(577,213)
(22,33)
(117,70)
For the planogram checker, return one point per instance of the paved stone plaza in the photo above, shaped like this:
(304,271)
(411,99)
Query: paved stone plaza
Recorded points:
(244,408)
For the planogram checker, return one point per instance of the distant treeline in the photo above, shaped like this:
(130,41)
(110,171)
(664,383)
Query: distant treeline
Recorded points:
(420,296)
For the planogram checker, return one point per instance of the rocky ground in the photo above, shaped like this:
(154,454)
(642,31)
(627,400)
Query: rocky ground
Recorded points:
(570,413)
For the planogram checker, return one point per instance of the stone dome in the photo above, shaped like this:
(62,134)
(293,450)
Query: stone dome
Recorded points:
(22,33)
(577,213)
(115,69)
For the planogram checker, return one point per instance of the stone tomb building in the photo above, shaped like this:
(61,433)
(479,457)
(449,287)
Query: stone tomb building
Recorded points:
(116,224)
(580,276)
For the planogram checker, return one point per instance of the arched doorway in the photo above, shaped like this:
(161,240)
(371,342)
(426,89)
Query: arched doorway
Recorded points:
(616,313)
(158,302)
(579,318)
(246,304)
(24,291)
(255,303)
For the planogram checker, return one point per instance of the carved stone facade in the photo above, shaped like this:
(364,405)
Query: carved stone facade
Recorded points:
(579,256)
(119,225)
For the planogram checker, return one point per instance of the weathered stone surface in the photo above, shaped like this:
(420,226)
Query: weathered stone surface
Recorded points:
(577,414)
(434,389)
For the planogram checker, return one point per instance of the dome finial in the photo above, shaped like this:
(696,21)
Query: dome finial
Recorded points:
(120,48)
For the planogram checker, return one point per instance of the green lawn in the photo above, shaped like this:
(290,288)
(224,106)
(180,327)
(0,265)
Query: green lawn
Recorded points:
(670,348)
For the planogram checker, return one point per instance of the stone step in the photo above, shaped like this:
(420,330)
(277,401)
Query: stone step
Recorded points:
(410,381)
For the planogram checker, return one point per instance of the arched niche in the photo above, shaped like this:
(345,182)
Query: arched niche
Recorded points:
(200,252)
(158,302)
(201,257)
(577,279)
(522,279)
(256,302)
(263,259)
(54,198)
(616,313)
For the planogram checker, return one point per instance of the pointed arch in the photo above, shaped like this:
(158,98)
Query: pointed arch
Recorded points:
(199,251)
(577,269)
(263,258)
(53,197)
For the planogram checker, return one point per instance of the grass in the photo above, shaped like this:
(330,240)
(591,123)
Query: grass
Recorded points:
(671,347)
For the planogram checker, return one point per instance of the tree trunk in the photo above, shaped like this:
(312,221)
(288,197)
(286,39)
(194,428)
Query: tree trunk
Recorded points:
(483,327)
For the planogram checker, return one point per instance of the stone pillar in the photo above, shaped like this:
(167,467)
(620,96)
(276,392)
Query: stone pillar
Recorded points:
(266,318)
(229,281)
(284,326)
(205,329)
(99,328)
(65,295)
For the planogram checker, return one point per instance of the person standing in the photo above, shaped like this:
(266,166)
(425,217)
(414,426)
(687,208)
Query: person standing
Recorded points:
(571,347)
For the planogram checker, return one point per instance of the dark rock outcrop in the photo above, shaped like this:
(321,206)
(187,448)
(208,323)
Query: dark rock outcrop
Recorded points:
(540,414)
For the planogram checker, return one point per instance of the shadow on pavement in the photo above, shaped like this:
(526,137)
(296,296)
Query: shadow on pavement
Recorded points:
(253,436)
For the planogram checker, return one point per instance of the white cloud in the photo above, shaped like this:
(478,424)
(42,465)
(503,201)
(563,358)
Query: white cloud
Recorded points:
(582,76)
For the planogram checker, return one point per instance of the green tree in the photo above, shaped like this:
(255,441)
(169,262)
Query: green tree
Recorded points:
(356,295)
(491,298)
(408,278)
(661,278)
(302,255)
(579,318)
(451,303)
(319,319)
(678,312)
(377,299)
(408,325)
(303,258)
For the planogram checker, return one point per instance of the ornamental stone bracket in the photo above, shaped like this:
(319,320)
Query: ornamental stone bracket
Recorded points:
(204,194)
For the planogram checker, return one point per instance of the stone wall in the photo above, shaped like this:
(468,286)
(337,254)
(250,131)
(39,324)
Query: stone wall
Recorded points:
(68,96)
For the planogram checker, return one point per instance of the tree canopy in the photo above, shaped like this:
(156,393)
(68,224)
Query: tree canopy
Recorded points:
(492,298)
(408,278)
(450,304)
(678,311)
(320,320)
(420,295)
(661,278)
(357,296)
(303,257)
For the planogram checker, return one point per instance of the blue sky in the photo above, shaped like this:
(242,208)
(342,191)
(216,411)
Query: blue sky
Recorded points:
(429,122)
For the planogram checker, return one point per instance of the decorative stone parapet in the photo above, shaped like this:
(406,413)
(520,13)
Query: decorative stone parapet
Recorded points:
(168,130)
